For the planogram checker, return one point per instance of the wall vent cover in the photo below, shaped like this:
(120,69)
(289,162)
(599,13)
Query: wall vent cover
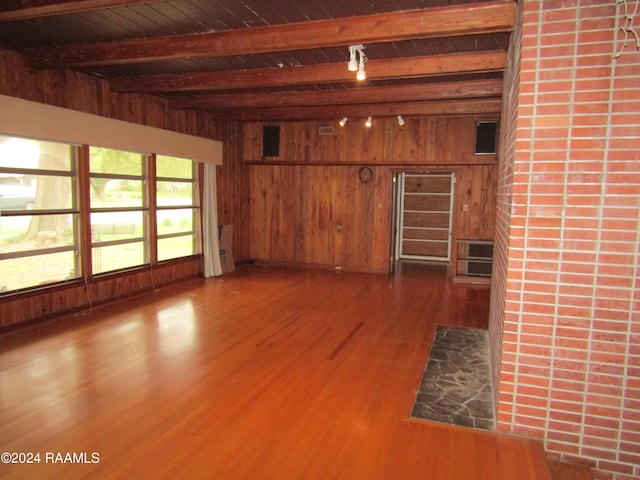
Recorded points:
(326,130)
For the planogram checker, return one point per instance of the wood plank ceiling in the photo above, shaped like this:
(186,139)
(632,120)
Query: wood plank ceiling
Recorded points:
(276,60)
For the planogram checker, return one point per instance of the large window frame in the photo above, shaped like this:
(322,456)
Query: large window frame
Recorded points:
(192,182)
(117,233)
(44,243)
(85,241)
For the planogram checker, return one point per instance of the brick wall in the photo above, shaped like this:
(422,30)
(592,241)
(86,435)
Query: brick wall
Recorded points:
(567,244)
(501,265)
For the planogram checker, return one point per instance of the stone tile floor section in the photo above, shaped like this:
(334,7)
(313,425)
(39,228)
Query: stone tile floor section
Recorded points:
(456,385)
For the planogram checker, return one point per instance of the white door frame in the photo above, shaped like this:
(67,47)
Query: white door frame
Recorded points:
(399,215)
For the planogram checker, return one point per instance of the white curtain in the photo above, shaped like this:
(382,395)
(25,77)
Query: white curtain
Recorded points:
(211,246)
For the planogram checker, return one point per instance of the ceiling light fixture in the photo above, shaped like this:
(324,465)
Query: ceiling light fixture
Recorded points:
(344,121)
(356,61)
(361,75)
(368,123)
(400,120)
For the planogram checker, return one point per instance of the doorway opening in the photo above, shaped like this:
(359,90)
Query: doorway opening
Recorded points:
(423,216)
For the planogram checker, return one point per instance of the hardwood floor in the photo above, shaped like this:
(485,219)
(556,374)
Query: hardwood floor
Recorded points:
(267,373)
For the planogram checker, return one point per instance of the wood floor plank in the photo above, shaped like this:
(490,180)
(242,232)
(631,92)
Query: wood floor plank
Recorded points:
(266,373)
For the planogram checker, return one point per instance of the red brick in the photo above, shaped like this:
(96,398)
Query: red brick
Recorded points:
(563,436)
(606,357)
(556,36)
(566,420)
(607,433)
(571,403)
(557,15)
(572,343)
(569,359)
(603,400)
(563,447)
(633,459)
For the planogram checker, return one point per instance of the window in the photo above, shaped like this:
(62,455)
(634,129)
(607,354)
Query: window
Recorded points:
(177,210)
(119,209)
(39,241)
(141,208)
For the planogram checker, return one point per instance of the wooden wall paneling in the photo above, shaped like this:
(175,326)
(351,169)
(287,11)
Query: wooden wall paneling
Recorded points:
(273,209)
(333,198)
(379,228)
(233,184)
(260,218)
(489,189)
(353,142)
(355,217)
(301,192)
(483,202)
(414,142)
(314,222)
(421,141)
(352,213)
(283,211)
(324,139)
(450,140)
(345,136)
(475,189)
(361,240)
(460,140)
(9,81)
(350,241)
(296,146)
(349,216)
(390,139)
(252,142)
(403,144)
(319,215)
(301,219)
(290,141)
(382,225)
(359,235)
(477,223)
(474,205)
(364,145)
(429,131)
(373,151)
(50,302)
(444,135)
(463,203)
(237,195)
(445,143)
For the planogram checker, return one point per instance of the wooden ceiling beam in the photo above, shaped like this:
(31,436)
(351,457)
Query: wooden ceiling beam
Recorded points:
(477,18)
(489,106)
(394,94)
(13,10)
(410,67)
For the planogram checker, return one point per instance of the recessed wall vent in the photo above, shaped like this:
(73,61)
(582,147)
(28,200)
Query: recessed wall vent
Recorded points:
(326,130)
